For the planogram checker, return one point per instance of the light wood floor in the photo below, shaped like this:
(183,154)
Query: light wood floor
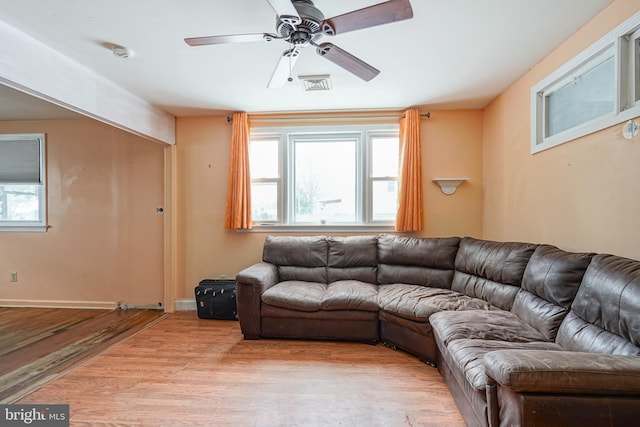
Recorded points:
(188,371)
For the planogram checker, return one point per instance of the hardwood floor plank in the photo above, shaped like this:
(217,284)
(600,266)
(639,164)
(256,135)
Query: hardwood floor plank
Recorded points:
(22,327)
(187,371)
(56,341)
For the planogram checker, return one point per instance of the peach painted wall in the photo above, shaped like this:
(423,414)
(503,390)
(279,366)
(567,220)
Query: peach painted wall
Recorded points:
(582,195)
(105,240)
(452,147)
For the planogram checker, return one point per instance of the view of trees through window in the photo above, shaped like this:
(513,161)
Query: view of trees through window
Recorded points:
(325,181)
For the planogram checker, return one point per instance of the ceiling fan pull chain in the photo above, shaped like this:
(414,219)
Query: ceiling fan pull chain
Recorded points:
(290,79)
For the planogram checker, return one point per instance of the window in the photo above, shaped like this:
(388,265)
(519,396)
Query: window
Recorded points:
(22,182)
(587,95)
(309,177)
(383,179)
(598,88)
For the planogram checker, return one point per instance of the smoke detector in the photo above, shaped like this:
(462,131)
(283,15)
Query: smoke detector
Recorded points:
(122,52)
(316,82)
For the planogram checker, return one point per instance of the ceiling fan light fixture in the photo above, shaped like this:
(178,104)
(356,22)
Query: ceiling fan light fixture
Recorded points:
(316,82)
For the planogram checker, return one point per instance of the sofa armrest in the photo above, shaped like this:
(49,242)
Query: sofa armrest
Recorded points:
(550,371)
(262,275)
(250,284)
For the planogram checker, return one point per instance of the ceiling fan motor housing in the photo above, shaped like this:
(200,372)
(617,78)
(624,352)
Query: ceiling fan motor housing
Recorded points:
(307,29)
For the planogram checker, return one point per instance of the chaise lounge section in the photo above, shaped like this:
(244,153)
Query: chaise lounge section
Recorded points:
(523,334)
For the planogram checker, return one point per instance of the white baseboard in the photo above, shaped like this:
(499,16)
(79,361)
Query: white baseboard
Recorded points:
(109,305)
(185,304)
(180,304)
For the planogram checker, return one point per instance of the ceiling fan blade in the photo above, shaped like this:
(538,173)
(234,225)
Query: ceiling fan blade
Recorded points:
(286,11)
(233,38)
(282,73)
(382,13)
(347,61)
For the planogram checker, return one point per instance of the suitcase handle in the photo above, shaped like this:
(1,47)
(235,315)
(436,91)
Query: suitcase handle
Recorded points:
(214,292)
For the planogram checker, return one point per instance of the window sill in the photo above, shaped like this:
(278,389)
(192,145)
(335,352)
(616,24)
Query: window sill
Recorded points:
(23,228)
(328,228)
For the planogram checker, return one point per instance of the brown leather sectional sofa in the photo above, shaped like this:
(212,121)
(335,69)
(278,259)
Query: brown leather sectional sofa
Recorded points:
(523,334)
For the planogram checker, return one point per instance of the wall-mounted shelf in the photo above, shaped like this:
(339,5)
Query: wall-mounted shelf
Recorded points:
(449,185)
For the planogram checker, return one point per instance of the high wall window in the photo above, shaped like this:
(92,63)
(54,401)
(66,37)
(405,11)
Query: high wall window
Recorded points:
(597,89)
(22,182)
(317,176)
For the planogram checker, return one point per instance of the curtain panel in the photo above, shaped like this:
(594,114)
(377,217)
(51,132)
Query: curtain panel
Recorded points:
(410,196)
(238,208)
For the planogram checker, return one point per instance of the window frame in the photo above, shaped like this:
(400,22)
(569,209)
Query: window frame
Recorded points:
(623,40)
(41,224)
(371,179)
(288,136)
(279,180)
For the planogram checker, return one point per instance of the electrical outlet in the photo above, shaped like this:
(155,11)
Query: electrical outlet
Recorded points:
(14,277)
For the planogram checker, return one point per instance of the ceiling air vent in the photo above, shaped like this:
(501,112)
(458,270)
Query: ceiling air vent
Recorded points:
(316,82)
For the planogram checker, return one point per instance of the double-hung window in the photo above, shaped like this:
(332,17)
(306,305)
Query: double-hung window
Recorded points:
(22,182)
(598,88)
(307,177)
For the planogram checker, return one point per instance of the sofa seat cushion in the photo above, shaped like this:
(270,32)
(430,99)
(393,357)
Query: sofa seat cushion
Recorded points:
(312,296)
(295,295)
(417,302)
(467,356)
(350,295)
(496,325)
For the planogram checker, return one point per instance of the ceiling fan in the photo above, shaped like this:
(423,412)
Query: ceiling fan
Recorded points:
(300,23)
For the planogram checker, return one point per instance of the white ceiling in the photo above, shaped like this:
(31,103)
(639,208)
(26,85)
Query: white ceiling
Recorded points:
(452,54)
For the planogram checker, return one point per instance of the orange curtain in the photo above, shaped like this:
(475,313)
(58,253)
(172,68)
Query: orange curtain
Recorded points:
(410,205)
(238,212)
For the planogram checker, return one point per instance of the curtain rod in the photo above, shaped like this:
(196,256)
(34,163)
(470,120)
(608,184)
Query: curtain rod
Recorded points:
(374,116)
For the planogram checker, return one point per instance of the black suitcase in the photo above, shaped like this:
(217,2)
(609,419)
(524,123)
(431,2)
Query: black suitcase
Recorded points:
(216,299)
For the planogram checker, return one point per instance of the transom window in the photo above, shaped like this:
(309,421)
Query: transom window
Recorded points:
(318,176)
(598,88)
(22,182)
(583,96)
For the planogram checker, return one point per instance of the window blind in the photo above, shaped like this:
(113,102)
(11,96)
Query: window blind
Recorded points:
(20,160)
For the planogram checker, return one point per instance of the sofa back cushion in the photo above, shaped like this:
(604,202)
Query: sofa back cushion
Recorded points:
(549,285)
(491,270)
(301,258)
(353,258)
(417,261)
(604,316)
